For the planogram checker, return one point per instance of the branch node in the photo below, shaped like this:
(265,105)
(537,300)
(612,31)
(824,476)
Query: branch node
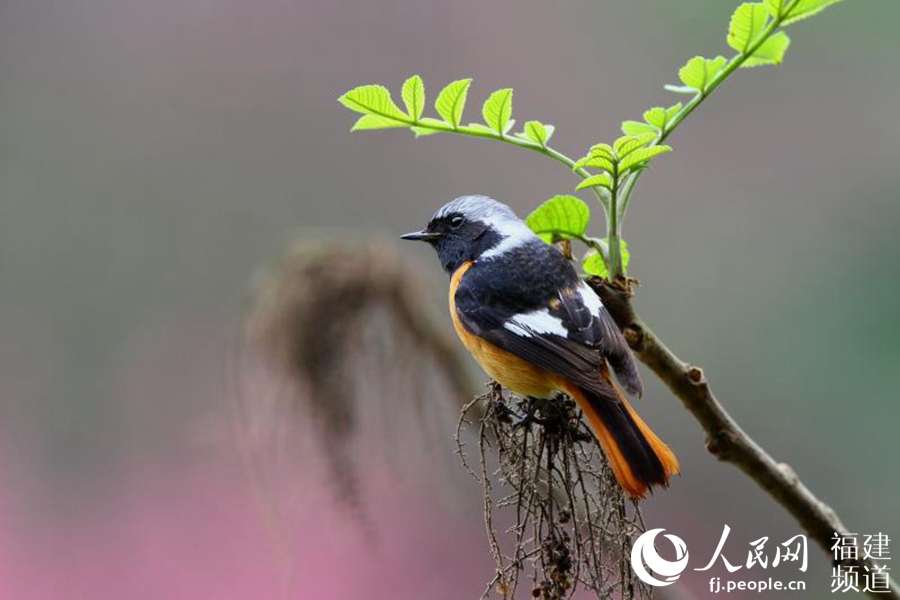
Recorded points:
(720,444)
(712,445)
(788,472)
(634,335)
(695,375)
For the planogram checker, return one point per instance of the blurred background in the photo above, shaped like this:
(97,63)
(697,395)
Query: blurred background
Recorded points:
(154,154)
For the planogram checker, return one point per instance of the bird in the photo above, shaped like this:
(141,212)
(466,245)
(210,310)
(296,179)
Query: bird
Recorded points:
(525,315)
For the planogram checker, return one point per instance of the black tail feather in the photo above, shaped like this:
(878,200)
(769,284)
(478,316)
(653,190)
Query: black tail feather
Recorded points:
(640,454)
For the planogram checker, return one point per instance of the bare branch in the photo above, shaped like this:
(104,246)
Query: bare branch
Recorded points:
(725,438)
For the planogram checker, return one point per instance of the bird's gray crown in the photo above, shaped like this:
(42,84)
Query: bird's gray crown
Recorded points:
(478,208)
(512,231)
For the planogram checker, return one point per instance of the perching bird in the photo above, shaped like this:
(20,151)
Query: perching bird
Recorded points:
(523,313)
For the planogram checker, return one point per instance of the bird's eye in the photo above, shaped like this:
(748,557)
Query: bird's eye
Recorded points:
(456,222)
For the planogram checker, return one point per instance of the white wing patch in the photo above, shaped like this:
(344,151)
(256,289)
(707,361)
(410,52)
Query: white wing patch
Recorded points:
(590,298)
(535,323)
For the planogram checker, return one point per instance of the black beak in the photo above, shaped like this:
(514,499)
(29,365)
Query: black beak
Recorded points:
(421,236)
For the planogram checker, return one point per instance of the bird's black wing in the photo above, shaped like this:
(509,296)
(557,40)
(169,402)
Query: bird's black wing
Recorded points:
(568,332)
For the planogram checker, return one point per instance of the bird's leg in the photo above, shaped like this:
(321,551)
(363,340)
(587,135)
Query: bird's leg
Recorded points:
(530,406)
(504,413)
(498,404)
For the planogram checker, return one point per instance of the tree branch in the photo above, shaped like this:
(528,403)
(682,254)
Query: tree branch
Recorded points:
(725,438)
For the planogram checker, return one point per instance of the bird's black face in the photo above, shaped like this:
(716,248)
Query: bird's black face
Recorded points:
(457,239)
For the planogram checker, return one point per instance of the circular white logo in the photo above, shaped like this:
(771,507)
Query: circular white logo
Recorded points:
(644,552)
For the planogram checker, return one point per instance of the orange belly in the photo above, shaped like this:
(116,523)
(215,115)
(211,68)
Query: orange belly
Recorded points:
(512,372)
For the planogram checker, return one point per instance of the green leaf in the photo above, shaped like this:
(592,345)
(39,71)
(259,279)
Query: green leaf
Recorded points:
(636,128)
(537,132)
(640,156)
(774,7)
(604,150)
(699,71)
(803,9)
(627,144)
(368,122)
(601,180)
(593,263)
(656,116)
(413,94)
(770,52)
(595,161)
(656,120)
(373,100)
(672,111)
(560,218)
(497,110)
(747,22)
(451,101)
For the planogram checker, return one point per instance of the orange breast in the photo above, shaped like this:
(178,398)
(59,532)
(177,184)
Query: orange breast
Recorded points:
(512,372)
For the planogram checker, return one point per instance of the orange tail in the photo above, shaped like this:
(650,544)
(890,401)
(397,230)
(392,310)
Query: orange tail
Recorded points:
(638,458)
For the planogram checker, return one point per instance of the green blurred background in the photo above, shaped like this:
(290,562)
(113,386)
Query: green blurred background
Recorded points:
(153,154)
